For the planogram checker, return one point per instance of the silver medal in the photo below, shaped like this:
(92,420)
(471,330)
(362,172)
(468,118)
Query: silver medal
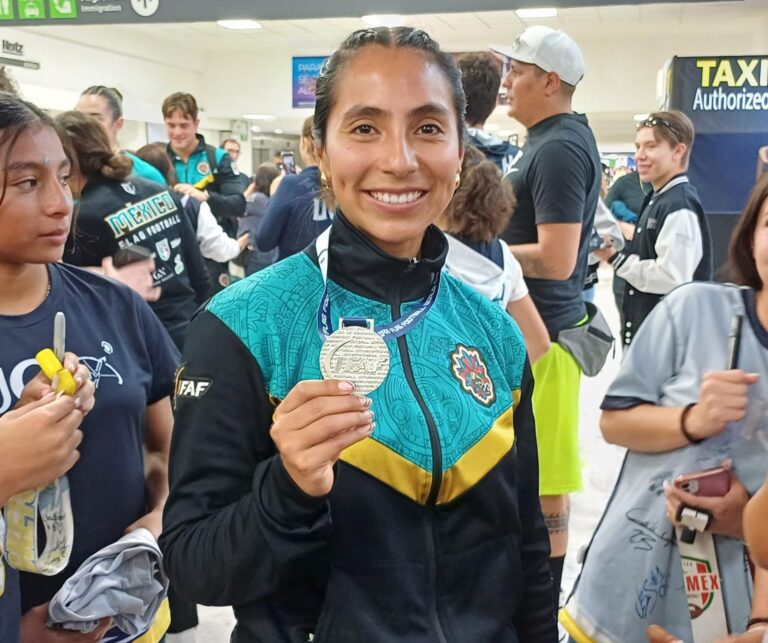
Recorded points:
(355,354)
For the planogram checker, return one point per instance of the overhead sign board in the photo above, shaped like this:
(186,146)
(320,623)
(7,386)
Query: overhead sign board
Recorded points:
(722,93)
(726,98)
(100,12)
(14,52)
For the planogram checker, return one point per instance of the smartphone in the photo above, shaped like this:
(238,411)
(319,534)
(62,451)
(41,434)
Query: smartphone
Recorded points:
(289,162)
(712,483)
(132,254)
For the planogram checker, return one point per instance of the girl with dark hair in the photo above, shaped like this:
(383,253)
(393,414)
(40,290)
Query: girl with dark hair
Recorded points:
(361,465)
(255,211)
(477,214)
(120,344)
(117,214)
(105,104)
(691,394)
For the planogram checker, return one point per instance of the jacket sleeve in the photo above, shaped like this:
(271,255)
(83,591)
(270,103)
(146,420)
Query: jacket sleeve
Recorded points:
(215,244)
(235,527)
(535,619)
(278,213)
(679,249)
(198,273)
(227,199)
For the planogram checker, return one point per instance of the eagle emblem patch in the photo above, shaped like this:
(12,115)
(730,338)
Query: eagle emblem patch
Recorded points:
(469,369)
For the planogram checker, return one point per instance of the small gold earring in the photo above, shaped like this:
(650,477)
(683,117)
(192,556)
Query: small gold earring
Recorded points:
(458,181)
(324,183)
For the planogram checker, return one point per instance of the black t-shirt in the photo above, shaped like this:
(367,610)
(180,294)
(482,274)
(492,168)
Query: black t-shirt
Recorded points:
(115,214)
(556,180)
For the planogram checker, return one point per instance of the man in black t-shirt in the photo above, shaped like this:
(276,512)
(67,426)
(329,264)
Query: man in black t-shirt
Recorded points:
(557,183)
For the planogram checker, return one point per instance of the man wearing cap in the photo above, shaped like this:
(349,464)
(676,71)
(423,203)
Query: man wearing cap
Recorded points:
(557,183)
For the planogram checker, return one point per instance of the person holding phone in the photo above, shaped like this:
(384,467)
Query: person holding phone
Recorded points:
(116,337)
(690,395)
(351,508)
(296,213)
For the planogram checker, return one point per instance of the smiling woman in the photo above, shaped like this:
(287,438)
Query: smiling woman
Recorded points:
(353,510)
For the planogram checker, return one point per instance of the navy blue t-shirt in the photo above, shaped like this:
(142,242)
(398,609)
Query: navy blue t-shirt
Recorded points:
(295,215)
(132,362)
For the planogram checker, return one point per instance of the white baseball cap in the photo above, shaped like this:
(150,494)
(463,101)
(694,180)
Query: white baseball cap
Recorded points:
(549,49)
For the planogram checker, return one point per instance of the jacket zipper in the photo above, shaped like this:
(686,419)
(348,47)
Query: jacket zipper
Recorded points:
(437,462)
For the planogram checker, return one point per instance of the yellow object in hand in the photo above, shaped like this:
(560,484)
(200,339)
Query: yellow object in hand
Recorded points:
(61,379)
(204,182)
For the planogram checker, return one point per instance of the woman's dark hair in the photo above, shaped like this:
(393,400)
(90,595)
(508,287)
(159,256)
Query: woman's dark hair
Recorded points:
(481,79)
(265,174)
(480,209)
(95,155)
(741,268)
(18,116)
(397,37)
(156,154)
(113,97)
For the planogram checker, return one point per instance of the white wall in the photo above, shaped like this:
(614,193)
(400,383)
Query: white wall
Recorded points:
(621,79)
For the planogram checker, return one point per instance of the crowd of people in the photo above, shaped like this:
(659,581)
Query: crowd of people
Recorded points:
(373,435)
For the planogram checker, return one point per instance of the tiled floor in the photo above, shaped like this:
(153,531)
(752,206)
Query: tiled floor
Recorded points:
(601,463)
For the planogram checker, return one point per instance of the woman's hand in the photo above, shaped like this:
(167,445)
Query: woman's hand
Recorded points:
(658,634)
(34,630)
(723,399)
(137,276)
(315,422)
(39,443)
(726,511)
(40,386)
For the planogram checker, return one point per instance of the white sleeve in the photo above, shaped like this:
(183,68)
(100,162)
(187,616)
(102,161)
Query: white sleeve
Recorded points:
(679,251)
(606,224)
(215,244)
(514,283)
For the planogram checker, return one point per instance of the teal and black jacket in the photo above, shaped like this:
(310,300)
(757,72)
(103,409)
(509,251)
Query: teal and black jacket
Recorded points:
(210,168)
(432,531)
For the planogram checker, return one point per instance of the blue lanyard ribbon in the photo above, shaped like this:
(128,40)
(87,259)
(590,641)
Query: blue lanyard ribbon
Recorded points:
(387,332)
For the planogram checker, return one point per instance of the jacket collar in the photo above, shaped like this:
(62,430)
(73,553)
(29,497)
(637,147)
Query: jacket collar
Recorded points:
(675,180)
(358,265)
(200,146)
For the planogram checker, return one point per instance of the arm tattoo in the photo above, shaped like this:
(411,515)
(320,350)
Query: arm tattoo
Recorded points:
(557,523)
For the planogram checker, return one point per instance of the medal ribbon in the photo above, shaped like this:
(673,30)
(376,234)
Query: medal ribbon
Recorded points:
(387,332)
(52,504)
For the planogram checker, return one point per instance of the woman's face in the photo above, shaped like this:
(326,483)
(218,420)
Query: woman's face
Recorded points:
(98,108)
(36,211)
(760,244)
(392,148)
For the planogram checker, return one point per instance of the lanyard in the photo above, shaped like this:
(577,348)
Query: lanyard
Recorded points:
(387,332)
